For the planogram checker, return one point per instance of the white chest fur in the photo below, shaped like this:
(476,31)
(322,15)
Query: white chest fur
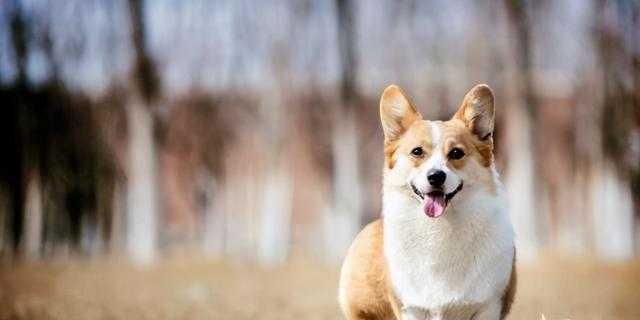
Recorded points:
(460,260)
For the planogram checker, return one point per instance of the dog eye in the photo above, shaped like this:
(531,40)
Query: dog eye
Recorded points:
(417,151)
(455,154)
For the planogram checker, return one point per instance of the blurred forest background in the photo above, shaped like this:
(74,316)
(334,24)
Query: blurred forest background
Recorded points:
(248,131)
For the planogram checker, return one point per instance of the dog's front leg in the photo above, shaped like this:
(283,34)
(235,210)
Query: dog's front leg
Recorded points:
(410,313)
(491,311)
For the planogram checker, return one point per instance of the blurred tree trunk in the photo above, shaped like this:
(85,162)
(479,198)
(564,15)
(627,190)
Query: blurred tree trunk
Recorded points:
(19,40)
(346,214)
(612,199)
(142,197)
(17,166)
(347,52)
(141,192)
(526,192)
(635,134)
(118,228)
(275,211)
(33,224)
(612,211)
(215,228)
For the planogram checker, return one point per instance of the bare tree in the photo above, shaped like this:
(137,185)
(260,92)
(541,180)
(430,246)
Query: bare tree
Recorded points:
(16,167)
(142,197)
(612,184)
(345,216)
(523,175)
(275,212)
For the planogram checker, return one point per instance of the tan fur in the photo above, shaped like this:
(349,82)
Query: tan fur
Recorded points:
(365,286)
(404,128)
(396,112)
(455,134)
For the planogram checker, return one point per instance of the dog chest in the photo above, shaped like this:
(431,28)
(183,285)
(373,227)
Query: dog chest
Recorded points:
(435,263)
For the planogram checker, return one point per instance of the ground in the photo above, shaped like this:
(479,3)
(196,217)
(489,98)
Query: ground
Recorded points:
(200,289)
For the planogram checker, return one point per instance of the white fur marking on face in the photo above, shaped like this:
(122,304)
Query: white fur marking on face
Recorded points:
(436,133)
(401,170)
(437,160)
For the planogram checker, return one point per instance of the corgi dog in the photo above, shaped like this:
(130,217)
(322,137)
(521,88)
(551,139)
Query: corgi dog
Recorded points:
(444,247)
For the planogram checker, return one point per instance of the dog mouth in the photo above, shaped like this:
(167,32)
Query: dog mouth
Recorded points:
(435,202)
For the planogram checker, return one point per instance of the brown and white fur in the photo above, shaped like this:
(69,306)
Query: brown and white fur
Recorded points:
(418,262)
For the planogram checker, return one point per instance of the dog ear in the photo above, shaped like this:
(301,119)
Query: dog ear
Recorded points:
(396,113)
(477,111)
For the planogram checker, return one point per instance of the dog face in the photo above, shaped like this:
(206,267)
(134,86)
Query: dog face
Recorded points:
(435,161)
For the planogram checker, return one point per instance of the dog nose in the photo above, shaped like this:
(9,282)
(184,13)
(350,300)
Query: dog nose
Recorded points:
(436,177)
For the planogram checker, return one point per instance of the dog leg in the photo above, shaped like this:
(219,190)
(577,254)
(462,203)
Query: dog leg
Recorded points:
(413,314)
(489,312)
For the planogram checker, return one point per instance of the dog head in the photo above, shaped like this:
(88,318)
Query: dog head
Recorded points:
(433,163)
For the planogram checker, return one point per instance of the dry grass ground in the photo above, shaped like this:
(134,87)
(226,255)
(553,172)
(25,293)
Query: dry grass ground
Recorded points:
(197,289)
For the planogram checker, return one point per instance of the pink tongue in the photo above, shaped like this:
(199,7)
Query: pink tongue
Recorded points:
(434,205)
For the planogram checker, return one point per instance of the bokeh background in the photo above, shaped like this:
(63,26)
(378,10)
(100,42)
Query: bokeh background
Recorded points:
(214,159)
